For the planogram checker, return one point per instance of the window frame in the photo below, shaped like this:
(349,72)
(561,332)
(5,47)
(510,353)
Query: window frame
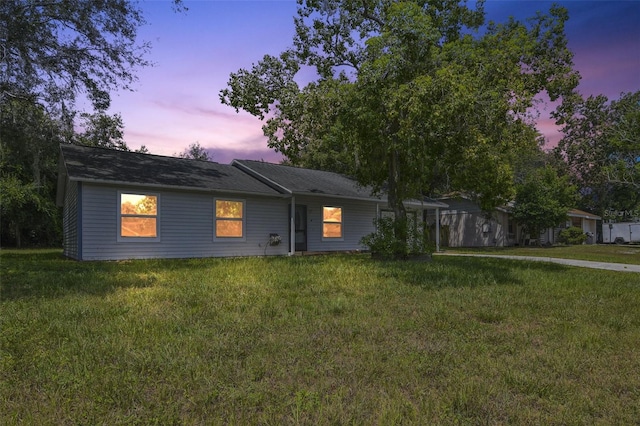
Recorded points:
(120,215)
(341,223)
(243,220)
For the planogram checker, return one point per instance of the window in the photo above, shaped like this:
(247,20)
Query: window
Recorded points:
(229,219)
(138,216)
(332,222)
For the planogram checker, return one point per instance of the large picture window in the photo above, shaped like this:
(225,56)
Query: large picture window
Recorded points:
(331,222)
(138,216)
(229,219)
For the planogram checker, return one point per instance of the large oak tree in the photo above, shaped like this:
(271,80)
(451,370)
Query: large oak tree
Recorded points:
(409,95)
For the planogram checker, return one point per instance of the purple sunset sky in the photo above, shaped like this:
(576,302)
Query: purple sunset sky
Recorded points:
(175,103)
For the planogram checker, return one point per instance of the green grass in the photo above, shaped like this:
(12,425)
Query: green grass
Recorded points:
(316,340)
(629,254)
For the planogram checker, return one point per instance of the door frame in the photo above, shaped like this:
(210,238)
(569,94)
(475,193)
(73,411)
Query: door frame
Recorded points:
(300,211)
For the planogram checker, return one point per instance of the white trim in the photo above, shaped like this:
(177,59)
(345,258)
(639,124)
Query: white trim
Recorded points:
(243,238)
(119,237)
(341,237)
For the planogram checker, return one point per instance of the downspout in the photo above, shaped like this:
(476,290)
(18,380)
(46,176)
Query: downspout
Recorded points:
(292,230)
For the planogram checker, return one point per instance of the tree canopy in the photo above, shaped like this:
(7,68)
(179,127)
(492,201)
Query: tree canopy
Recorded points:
(195,151)
(409,93)
(601,148)
(543,200)
(409,96)
(51,52)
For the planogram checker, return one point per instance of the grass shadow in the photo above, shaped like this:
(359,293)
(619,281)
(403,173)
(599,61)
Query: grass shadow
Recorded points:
(47,274)
(458,272)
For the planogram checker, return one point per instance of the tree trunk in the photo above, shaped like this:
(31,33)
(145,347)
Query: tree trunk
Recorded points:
(396,204)
(18,232)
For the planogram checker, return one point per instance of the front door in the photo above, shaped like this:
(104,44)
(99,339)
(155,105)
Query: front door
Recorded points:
(300,227)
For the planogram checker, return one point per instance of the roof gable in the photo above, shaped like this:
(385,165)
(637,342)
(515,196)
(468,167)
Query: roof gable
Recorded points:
(101,165)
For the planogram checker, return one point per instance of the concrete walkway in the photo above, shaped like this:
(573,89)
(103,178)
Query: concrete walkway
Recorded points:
(571,262)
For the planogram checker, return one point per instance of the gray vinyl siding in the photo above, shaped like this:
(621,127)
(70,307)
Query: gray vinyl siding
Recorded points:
(70,221)
(466,225)
(186,226)
(357,221)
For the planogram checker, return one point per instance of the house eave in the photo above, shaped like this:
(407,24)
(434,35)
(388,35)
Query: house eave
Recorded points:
(177,187)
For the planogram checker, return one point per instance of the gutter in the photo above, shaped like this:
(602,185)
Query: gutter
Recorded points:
(176,187)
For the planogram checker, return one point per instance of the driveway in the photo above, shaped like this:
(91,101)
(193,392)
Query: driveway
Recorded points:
(571,262)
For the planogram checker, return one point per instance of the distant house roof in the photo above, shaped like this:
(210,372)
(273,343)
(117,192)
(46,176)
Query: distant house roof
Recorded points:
(583,214)
(508,208)
(100,165)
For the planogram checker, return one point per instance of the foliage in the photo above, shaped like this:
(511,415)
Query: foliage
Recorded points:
(382,242)
(195,152)
(29,141)
(55,49)
(52,52)
(102,130)
(409,96)
(572,236)
(315,340)
(25,207)
(385,244)
(543,200)
(601,146)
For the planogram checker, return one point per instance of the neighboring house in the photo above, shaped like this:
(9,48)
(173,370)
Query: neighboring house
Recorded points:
(578,218)
(124,205)
(465,224)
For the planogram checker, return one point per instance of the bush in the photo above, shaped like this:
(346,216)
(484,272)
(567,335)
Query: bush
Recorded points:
(572,236)
(384,243)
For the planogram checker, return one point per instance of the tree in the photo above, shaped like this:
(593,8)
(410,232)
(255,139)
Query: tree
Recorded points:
(29,140)
(55,49)
(409,95)
(543,200)
(601,147)
(102,130)
(50,53)
(195,152)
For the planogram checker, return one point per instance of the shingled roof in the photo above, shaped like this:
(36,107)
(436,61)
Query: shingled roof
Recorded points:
(299,181)
(100,165)
(108,166)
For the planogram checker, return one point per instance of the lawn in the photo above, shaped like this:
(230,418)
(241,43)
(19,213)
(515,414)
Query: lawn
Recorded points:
(316,340)
(613,253)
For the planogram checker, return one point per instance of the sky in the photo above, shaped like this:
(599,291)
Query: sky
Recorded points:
(176,102)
